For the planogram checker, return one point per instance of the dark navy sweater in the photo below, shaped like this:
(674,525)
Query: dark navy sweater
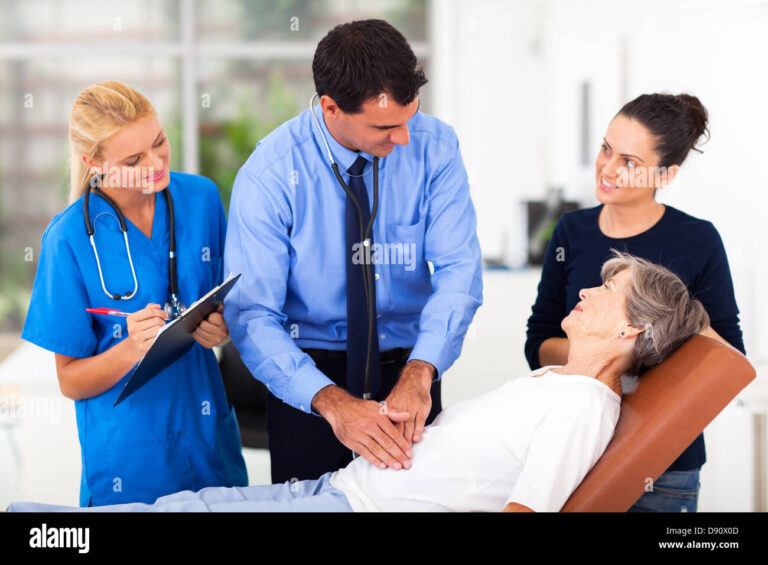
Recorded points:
(689,247)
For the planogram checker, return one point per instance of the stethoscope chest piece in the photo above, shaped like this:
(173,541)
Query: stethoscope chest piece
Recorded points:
(174,307)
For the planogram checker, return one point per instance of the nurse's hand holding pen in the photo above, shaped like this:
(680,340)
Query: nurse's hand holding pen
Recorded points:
(144,324)
(81,378)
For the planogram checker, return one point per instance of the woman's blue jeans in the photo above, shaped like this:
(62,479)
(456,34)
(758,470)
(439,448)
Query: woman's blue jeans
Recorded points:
(673,491)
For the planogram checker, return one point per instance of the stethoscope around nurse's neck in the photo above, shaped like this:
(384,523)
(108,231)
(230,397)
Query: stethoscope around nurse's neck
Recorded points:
(173,307)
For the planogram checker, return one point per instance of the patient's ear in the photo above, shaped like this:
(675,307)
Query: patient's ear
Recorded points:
(629,331)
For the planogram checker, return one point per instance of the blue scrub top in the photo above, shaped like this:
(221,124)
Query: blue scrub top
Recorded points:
(177,432)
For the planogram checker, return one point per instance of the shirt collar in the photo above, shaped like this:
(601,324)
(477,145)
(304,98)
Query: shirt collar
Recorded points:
(343,156)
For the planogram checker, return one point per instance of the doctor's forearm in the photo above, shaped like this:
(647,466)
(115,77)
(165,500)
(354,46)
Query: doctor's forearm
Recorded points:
(81,378)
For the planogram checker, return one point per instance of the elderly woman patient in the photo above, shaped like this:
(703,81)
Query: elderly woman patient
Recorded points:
(525,446)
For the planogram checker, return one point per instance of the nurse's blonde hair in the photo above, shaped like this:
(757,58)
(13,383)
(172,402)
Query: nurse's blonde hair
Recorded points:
(99,112)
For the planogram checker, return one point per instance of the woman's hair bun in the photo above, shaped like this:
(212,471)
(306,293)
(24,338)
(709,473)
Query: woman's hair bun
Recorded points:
(677,121)
(697,116)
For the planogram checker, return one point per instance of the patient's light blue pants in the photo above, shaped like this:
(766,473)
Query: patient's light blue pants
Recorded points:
(300,496)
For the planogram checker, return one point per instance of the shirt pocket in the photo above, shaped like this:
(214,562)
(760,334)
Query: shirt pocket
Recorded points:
(404,250)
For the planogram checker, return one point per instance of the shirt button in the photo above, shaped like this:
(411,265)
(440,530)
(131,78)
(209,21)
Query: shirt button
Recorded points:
(378,315)
(376,276)
(382,336)
(301,407)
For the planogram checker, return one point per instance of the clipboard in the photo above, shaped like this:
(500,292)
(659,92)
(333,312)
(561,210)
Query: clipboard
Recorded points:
(175,338)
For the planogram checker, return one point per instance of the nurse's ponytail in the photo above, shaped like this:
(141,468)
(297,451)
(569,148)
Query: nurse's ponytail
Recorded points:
(99,112)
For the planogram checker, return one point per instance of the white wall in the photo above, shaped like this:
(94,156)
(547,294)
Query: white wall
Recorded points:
(487,82)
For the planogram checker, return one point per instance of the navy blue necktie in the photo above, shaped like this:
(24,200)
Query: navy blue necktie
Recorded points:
(357,317)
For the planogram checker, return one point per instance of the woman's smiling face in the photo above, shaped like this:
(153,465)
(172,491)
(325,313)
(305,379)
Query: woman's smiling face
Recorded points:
(137,157)
(627,167)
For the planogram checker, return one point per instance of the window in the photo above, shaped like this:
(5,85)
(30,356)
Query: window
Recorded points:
(220,74)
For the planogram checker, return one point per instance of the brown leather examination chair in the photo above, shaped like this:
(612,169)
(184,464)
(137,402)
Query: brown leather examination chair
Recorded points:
(670,407)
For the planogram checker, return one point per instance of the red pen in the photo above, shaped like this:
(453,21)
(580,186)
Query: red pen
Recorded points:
(107,312)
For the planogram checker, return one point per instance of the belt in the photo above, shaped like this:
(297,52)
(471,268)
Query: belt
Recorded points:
(340,355)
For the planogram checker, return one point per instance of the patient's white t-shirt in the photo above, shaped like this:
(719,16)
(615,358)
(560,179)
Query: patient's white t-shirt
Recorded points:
(531,441)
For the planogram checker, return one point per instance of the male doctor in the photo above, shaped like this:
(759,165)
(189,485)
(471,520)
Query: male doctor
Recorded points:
(298,316)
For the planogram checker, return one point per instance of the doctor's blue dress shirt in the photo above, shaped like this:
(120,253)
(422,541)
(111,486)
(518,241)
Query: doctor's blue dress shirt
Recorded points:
(286,235)
(177,432)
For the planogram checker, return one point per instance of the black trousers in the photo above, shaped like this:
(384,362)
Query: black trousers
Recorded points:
(303,446)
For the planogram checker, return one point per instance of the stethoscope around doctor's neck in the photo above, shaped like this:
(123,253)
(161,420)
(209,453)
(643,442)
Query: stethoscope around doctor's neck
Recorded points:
(173,307)
(365,240)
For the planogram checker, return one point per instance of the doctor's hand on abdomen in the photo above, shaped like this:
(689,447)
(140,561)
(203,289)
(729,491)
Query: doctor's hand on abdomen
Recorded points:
(365,426)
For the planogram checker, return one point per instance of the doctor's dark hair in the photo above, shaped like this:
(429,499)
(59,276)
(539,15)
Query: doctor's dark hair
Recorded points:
(99,112)
(676,121)
(660,303)
(357,61)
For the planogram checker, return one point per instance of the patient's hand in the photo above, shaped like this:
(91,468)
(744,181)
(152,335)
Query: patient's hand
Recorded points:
(411,394)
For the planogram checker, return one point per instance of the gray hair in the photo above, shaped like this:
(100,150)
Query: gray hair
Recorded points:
(660,302)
